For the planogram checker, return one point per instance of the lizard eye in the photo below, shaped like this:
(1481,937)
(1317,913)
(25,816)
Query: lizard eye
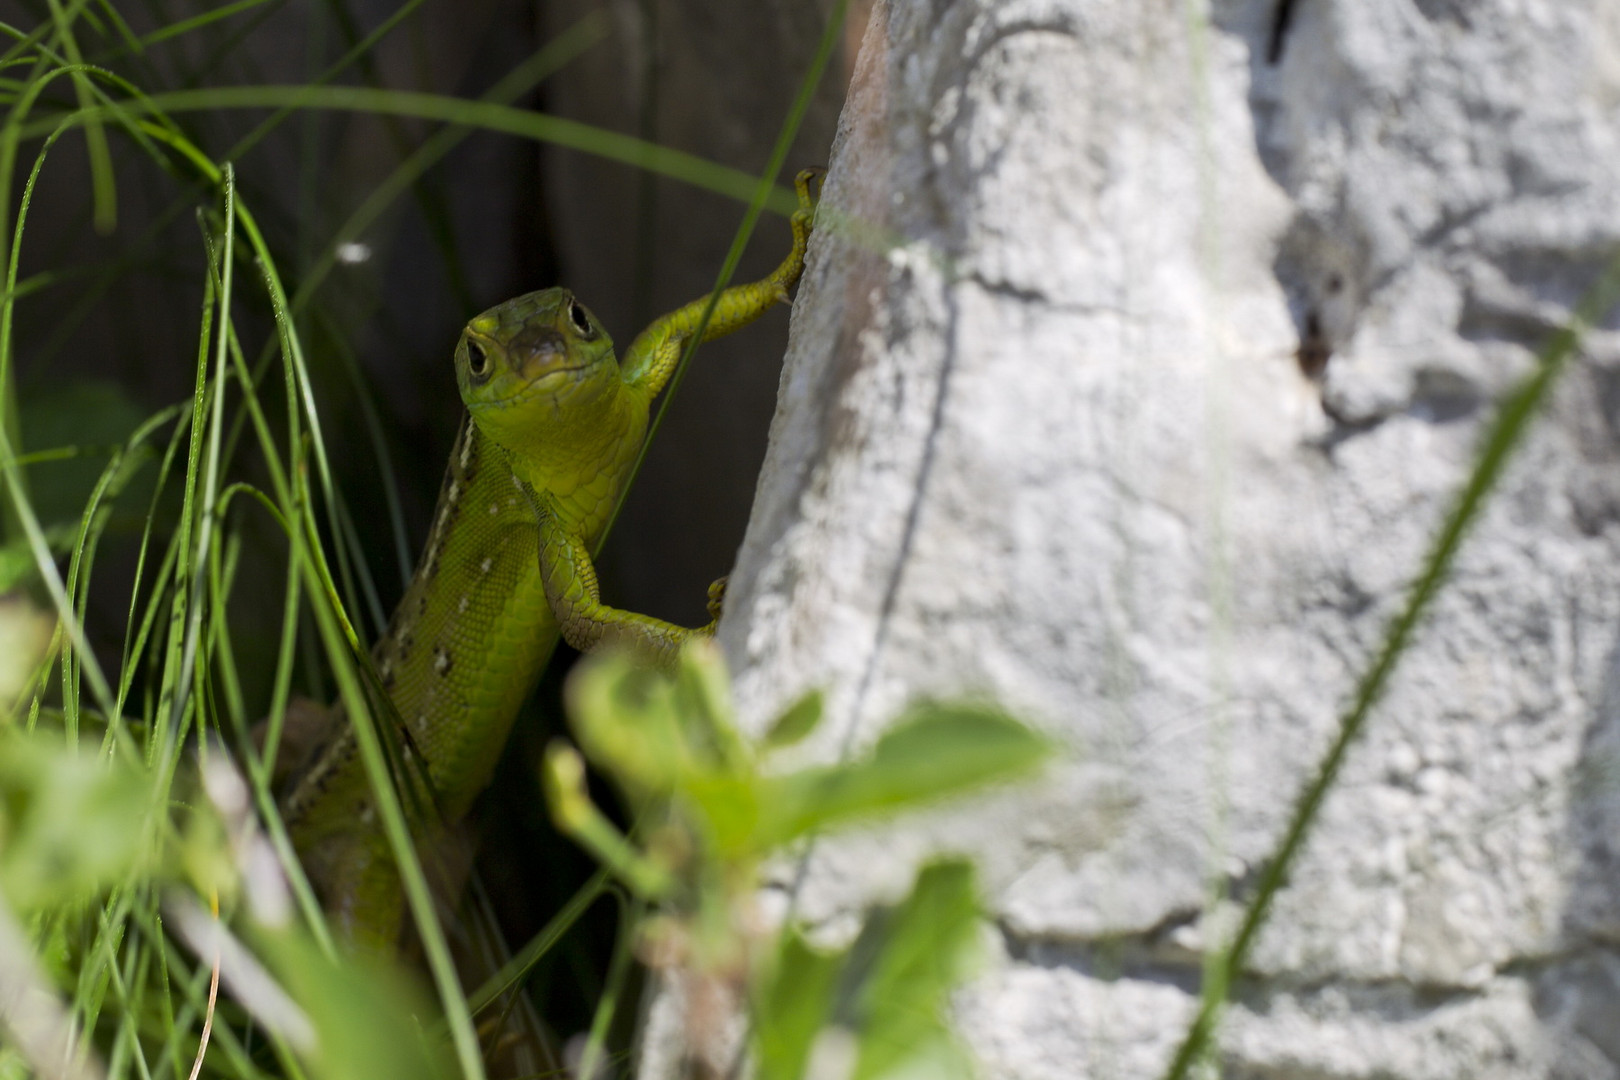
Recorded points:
(477,360)
(581,321)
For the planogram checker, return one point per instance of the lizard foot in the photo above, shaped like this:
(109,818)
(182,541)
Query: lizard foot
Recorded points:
(717,597)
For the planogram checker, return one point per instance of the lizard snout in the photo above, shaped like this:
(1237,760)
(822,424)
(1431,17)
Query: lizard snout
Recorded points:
(538,351)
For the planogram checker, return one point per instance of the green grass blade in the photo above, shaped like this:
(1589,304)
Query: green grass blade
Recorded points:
(15,484)
(136,648)
(196,564)
(392,816)
(1504,436)
(125,34)
(22,43)
(607,1007)
(486,116)
(103,189)
(514,971)
(196,22)
(338,67)
(387,479)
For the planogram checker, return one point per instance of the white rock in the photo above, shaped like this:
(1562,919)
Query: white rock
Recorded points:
(1055,446)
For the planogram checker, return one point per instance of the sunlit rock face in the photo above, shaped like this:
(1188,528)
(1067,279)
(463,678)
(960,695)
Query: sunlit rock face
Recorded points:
(1140,360)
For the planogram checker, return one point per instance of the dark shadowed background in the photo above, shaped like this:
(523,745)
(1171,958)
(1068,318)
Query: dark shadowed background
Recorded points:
(112,335)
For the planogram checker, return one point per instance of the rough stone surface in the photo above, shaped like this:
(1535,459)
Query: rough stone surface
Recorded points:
(1058,444)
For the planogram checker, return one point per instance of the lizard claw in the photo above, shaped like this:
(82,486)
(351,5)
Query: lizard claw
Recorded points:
(801,184)
(717,597)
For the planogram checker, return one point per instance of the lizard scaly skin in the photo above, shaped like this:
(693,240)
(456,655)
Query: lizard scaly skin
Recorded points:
(554,425)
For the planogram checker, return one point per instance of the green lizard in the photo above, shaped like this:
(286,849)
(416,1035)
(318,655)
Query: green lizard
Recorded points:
(554,423)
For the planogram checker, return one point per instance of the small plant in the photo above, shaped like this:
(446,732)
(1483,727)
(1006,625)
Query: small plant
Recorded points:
(710,812)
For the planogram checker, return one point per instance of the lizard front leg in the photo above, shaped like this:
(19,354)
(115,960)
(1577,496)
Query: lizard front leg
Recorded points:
(586,623)
(650,360)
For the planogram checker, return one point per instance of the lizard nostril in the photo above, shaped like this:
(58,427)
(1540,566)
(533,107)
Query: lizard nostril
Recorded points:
(477,360)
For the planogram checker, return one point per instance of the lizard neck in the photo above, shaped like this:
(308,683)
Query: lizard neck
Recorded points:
(580,458)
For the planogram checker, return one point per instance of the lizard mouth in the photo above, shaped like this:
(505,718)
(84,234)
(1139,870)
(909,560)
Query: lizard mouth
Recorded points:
(540,365)
(549,381)
(542,376)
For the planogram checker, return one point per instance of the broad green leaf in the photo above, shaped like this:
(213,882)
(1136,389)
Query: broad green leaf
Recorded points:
(703,703)
(937,751)
(727,808)
(626,723)
(70,823)
(794,1004)
(886,993)
(800,719)
(367,1017)
(913,956)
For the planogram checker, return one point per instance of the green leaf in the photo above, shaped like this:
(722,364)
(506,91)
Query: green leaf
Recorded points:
(934,752)
(794,1004)
(366,1015)
(886,994)
(727,808)
(800,719)
(914,956)
(563,776)
(71,824)
(703,704)
(626,722)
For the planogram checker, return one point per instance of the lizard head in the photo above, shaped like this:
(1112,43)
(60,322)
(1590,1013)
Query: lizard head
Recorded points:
(535,361)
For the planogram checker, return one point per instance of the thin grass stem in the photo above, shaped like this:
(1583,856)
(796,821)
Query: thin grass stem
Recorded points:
(1503,437)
